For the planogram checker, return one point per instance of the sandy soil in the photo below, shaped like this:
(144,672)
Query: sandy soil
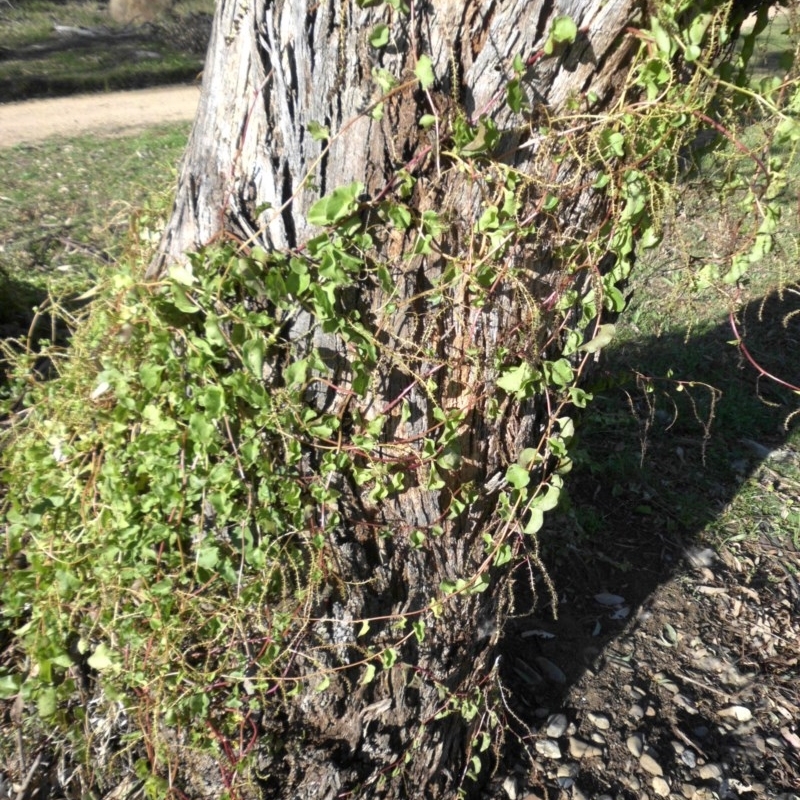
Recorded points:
(109,114)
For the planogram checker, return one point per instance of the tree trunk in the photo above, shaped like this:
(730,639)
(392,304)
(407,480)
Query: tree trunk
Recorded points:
(275,67)
(277,72)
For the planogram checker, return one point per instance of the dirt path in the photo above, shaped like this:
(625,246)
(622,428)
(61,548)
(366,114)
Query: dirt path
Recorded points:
(109,114)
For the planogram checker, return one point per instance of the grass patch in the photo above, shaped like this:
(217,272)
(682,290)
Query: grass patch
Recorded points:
(774,49)
(684,428)
(66,209)
(53,49)
(684,438)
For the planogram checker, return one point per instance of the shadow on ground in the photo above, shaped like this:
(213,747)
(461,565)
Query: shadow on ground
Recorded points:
(676,574)
(19,298)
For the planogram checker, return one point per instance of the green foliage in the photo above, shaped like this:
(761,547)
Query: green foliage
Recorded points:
(563,30)
(379,37)
(166,542)
(424,72)
(175,485)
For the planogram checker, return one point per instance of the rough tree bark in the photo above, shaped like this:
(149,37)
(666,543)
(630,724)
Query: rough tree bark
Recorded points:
(274,67)
(251,172)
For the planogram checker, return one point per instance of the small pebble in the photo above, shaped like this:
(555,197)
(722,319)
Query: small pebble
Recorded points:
(510,787)
(636,711)
(556,725)
(660,787)
(791,737)
(548,748)
(688,757)
(649,711)
(598,738)
(649,764)
(710,772)
(686,703)
(635,745)
(739,713)
(568,770)
(688,790)
(580,749)
(609,600)
(677,746)
(600,721)
(774,741)
(634,784)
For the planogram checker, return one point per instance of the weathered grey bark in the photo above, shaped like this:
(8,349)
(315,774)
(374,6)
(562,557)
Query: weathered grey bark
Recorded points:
(274,67)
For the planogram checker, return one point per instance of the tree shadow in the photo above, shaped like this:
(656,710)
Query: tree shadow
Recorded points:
(18,322)
(19,298)
(658,465)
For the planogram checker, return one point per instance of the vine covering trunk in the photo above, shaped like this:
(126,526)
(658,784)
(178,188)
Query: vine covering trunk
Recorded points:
(441,303)
(265,513)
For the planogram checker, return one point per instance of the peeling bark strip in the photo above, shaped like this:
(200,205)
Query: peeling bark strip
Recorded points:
(274,67)
(251,172)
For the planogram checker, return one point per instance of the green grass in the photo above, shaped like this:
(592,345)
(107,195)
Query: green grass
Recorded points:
(27,23)
(705,465)
(683,437)
(66,207)
(774,49)
(37,61)
(685,426)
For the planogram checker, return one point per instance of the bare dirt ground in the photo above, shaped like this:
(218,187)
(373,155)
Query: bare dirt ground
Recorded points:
(109,114)
(673,667)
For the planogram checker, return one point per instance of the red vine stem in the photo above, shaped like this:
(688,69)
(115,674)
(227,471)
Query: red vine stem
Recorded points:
(742,148)
(746,353)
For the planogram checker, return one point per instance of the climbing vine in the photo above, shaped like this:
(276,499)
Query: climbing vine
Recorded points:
(179,482)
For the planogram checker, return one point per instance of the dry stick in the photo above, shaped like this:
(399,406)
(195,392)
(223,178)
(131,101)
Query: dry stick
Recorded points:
(29,777)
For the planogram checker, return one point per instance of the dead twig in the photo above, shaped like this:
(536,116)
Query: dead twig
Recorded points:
(29,777)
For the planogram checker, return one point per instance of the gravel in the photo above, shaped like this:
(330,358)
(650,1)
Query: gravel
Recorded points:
(648,763)
(581,749)
(693,697)
(556,725)
(548,748)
